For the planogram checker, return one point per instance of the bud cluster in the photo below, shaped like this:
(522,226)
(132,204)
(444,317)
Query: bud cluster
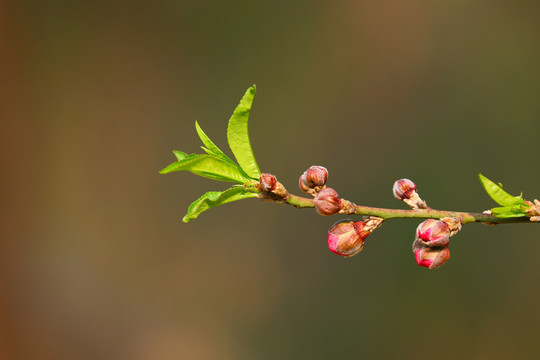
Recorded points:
(405,190)
(430,246)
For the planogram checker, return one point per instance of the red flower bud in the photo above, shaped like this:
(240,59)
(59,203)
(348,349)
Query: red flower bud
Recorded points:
(430,257)
(433,233)
(346,237)
(327,202)
(313,180)
(267,182)
(403,189)
(316,176)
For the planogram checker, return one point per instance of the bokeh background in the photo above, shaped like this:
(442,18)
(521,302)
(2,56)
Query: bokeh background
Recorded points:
(95,262)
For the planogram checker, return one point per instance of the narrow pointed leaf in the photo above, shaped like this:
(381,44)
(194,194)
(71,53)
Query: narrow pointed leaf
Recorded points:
(496,192)
(214,198)
(210,147)
(209,166)
(238,136)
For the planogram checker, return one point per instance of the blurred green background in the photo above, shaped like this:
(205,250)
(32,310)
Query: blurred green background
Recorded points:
(95,262)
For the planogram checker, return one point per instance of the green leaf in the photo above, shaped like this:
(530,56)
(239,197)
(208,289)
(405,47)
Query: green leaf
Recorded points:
(211,148)
(496,192)
(214,198)
(179,155)
(208,166)
(238,136)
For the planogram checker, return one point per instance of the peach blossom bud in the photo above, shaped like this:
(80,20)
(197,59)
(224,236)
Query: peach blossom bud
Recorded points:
(433,233)
(313,180)
(403,189)
(316,176)
(346,237)
(327,202)
(267,182)
(430,257)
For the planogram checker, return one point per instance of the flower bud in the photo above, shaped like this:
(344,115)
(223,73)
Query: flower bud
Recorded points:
(327,202)
(346,237)
(267,182)
(316,176)
(403,189)
(313,180)
(433,233)
(430,257)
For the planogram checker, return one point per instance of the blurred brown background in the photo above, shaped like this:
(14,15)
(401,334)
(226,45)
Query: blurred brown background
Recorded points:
(95,262)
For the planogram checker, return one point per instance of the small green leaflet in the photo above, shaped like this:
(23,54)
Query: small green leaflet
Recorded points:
(511,206)
(215,198)
(238,136)
(211,148)
(180,155)
(209,166)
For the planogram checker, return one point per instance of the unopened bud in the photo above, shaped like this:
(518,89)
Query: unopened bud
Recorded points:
(430,257)
(313,180)
(316,176)
(327,202)
(346,237)
(433,233)
(267,182)
(271,189)
(403,189)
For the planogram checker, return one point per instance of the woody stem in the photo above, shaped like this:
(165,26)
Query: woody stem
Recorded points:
(465,217)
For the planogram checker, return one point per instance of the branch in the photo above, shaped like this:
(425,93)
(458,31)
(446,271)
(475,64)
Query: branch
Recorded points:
(384,213)
(346,237)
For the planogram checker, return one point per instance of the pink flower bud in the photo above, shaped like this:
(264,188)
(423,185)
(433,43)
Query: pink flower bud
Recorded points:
(313,180)
(403,189)
(327,202)
(433,233)
(316,176)
(430,257)
(267,182)
(346,237)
